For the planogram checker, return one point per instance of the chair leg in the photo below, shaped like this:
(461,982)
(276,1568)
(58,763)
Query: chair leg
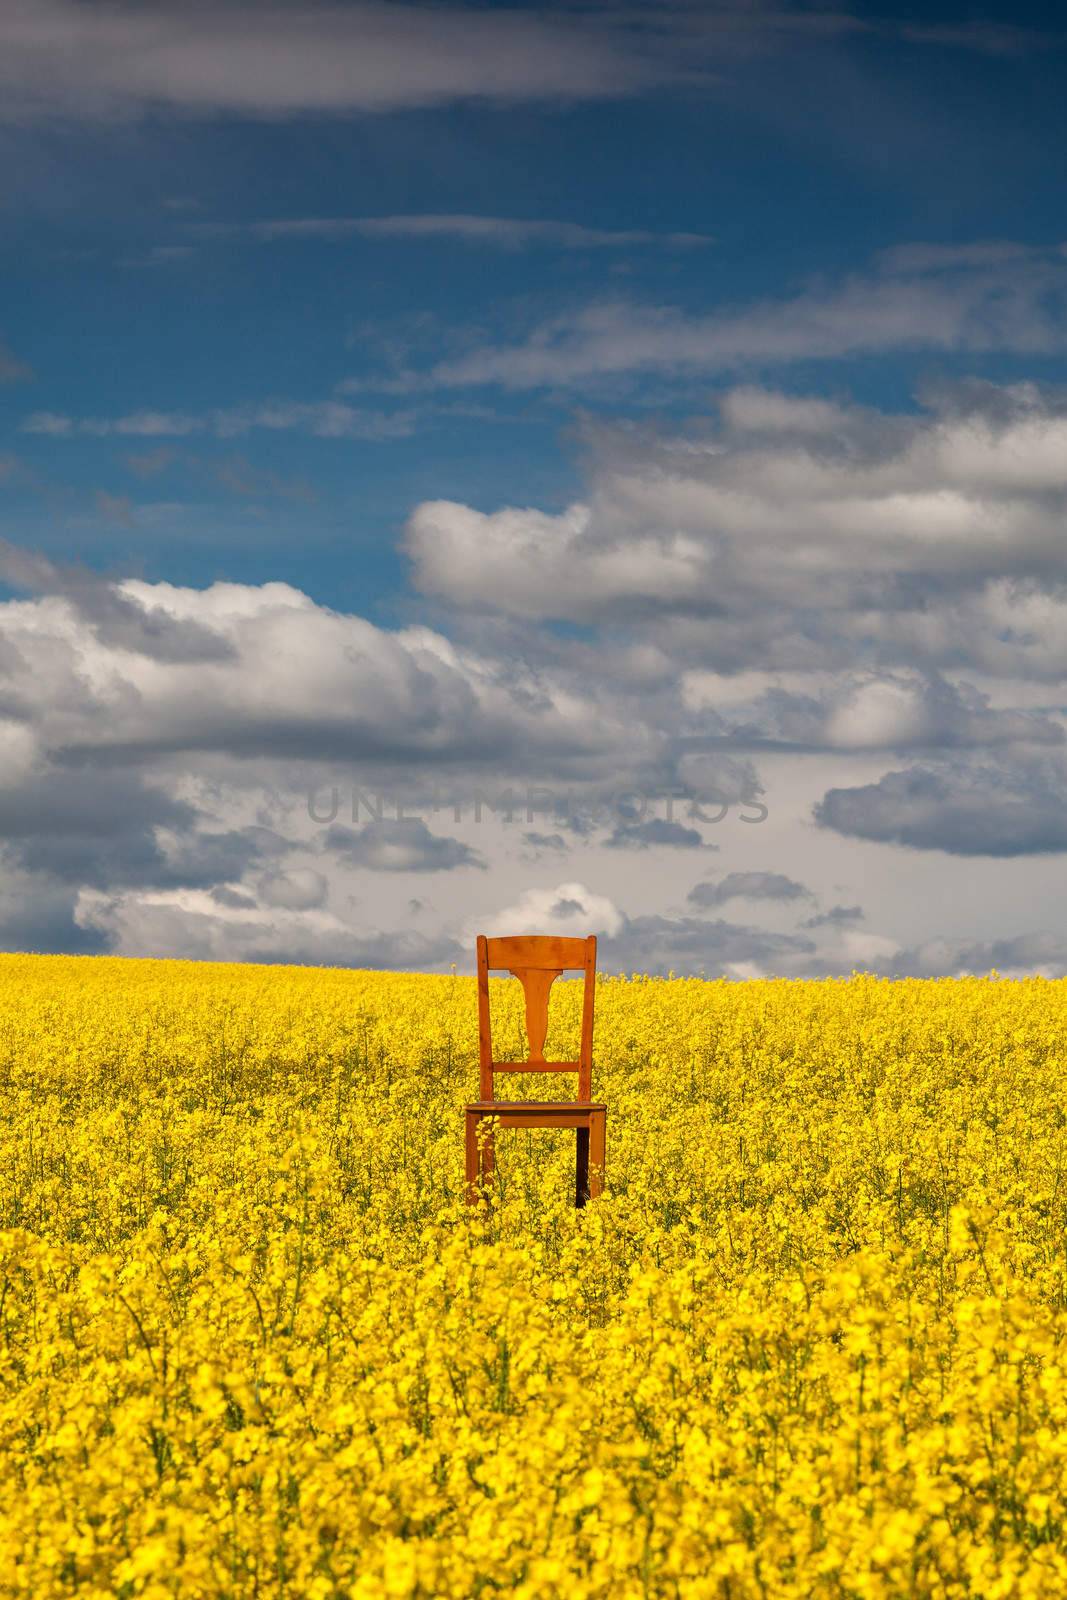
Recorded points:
(597,1152)
(581,1167)
(471,1146)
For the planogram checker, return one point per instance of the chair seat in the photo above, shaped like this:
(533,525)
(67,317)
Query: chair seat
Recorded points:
(493,1107)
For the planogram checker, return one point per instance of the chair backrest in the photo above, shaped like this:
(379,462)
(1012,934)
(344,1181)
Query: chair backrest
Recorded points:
(537,960)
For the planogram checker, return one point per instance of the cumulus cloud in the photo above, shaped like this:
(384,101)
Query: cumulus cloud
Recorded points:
(569,908)
(801,576)
(901,711)
(856,507)
(132,671)
(862,710)
(514,559)
(864,562)
(134,717)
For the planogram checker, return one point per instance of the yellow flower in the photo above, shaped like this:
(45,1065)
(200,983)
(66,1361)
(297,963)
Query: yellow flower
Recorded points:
(252,1339)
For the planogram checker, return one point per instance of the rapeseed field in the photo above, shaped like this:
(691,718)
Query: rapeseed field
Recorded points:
(253,1343)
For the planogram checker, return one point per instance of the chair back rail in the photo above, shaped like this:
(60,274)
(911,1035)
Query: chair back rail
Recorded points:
(537,960)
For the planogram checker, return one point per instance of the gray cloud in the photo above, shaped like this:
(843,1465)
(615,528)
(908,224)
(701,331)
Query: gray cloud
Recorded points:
(505,233)
(973,809)
(295,889)
(835,917)
(1042,953)
(657,944)
(41,917)
(235,899)
(901,710)
(50,805)
(212,931)
(112,829)
(721,949)
(747,886)
(834,544)
(540,843)
(405,845)
(655,833)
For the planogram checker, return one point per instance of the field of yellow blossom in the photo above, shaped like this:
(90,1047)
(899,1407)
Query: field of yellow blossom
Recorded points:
(252,1343)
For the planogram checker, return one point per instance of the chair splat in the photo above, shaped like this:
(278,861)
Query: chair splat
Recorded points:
(536,985)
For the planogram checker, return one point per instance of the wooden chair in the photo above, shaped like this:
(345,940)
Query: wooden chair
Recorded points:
(537,961)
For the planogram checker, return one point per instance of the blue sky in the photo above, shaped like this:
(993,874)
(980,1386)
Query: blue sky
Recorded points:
(276,283)
(132,282)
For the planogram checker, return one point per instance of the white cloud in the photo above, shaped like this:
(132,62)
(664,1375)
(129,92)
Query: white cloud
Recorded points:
(909,302)
(806,585)
(569,908)
(798,535)
(879,713)
(519,559)
(263,672)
